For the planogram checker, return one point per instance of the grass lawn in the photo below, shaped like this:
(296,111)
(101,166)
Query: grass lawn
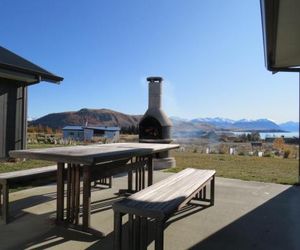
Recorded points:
(14,166)
(266,169)
(21,165)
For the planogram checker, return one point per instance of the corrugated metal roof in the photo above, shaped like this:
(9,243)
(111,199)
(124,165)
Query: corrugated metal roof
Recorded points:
(104,128)
(91,127)
(73,128)
(12,63)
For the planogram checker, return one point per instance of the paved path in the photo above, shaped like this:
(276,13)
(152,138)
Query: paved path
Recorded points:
(246,215)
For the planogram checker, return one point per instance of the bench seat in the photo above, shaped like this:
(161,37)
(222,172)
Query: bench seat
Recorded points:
(18,177)
(162,200)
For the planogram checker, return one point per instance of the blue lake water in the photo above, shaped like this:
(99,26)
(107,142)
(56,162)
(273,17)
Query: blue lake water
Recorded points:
(265,135)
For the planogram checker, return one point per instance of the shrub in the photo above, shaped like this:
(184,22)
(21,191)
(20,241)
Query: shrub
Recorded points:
(223,149)
(286,153)
(267,155)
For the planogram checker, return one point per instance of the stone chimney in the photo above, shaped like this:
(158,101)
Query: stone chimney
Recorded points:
(155,126)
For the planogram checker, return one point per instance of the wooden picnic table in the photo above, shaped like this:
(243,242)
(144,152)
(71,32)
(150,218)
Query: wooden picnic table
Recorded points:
(81,162)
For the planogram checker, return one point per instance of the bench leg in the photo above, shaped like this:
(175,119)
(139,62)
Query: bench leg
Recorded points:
(137,233)
(159,235)
(212,191)
(150,170)
(5,204)
(60,192)
(117,230)
(130,232)
(204,193)
(1,201)
(130,177)
(144,233)
(110,182)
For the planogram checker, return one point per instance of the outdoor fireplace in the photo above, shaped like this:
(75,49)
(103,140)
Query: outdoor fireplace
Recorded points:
(155,126)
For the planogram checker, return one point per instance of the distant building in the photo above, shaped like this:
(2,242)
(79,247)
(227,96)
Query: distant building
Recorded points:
(87,133)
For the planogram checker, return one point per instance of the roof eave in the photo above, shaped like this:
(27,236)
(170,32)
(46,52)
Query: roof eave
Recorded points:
(39,76)
(269,17)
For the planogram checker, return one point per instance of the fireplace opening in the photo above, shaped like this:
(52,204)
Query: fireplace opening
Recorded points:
(150,128)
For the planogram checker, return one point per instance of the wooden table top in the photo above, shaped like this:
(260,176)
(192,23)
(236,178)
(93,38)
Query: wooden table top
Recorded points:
(92,154)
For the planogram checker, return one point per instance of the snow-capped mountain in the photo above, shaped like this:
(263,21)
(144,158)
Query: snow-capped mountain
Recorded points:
(234,125)
(217,121)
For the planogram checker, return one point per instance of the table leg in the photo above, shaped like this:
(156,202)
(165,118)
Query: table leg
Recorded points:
(150,170)
(60,192)
(86,209)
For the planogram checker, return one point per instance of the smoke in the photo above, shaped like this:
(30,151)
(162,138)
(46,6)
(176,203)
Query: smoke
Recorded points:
(169,100)
(143,83)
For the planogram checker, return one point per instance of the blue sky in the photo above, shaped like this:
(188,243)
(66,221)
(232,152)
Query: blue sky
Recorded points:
(210,54)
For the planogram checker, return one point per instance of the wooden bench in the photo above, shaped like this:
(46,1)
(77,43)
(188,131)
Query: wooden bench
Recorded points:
(158,203)
(18,178)
(23,177)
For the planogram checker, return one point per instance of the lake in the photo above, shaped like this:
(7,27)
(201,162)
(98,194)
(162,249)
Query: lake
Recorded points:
(264,135)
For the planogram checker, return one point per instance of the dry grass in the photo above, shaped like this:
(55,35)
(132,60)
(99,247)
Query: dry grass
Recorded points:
(266,169)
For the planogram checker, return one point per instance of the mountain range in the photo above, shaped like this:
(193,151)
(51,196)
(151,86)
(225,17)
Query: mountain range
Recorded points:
(107,117)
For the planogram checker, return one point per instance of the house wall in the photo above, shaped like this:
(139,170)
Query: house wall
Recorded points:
(115,135)
(13,116)
(77,135)
(88,134)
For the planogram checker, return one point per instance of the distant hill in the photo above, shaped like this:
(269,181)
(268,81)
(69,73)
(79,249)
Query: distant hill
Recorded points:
(94,117)
(290,126)
(258,125)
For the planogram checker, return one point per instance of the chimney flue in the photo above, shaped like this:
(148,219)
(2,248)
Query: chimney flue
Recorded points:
(155,89)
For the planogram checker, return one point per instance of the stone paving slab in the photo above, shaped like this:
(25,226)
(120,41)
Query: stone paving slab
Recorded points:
(246,215)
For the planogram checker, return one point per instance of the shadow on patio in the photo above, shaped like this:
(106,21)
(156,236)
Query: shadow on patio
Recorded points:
(246,215)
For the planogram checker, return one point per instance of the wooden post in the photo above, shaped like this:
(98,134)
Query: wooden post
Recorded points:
(86,209)
(1,200)
(140,178)
(144,233)
(60,192)
(130,231)
(110,182)
(204,193)
(117,230)
(5,205)
(72,194)
(159,235)
(143,177)
(77,193)
(150,170)
(130,181)
(69,192)
(137,233)
(212,191)
(136,180)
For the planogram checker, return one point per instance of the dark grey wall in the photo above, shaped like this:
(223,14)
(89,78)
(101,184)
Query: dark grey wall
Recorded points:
(13,116)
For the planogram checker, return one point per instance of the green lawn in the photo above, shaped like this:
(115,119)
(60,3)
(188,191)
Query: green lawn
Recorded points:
(266,169)
(21,165)
(14,166)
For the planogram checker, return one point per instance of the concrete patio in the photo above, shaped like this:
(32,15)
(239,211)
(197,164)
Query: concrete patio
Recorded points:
(246,215)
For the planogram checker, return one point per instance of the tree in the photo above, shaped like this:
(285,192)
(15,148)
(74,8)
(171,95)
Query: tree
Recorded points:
(279,144)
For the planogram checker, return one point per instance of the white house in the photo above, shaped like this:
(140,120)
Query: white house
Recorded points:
(87,133)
